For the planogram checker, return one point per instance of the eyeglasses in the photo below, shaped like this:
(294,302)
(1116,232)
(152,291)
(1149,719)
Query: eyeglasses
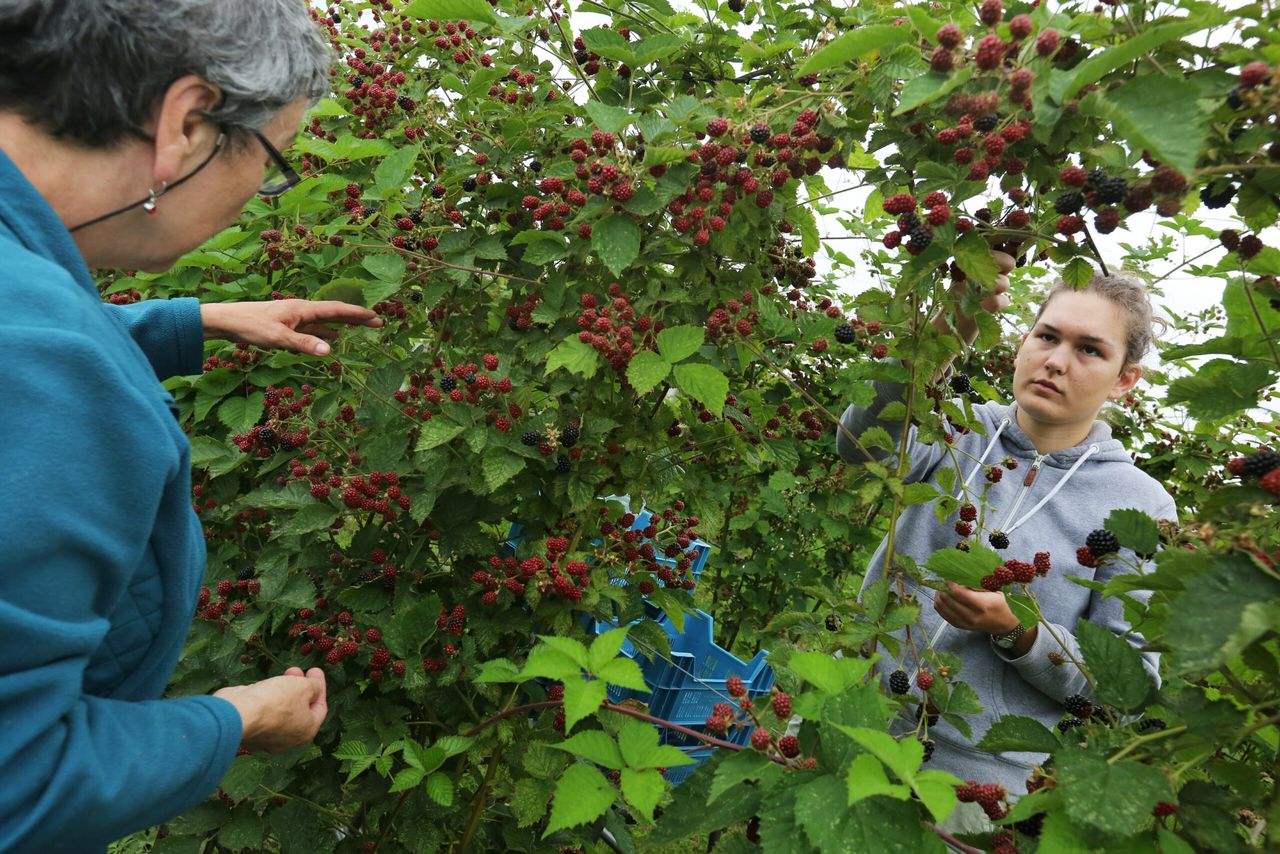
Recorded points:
(278,176)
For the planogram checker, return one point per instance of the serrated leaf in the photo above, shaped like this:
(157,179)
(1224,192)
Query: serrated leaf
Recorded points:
(867,779)
(643,789)
(616,242)
(624,673)
(529,800)
(582,795)
(1115,665)
(308,519)
(498,468)
(1078,272)
(829,675)
(407,778)
(964,568)
(605,648)
(343,290)
(973,255)
(388,268)
(1158,113)
(608,43)
(656,47)
(1220,388)
(437,432)
(929,87)
(1094,67)
(581,700)
(901,757)
(393,172)
(452,745)
(611,119)
(1019,733)
(645,370)
(496,670)
(595,746)
(451,10)
(640,749)
(853,44)
(1113,797)
(239,414)
(703,383)
(677,343)
(737,769)
(440,789)
(1135,530)
(547,663)
(574,356)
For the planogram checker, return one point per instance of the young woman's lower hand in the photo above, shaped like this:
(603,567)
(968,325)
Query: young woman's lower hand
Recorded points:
(299,325)
(280,712)
(974,610)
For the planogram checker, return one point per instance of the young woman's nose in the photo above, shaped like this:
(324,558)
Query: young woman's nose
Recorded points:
(1058,358)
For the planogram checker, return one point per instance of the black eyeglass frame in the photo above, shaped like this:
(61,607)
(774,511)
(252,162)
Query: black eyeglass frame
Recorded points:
(291,177)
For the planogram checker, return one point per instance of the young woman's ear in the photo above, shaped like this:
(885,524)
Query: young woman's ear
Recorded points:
(1129,376)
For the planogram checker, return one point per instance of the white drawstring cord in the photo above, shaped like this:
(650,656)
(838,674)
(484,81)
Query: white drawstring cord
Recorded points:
(1090,451)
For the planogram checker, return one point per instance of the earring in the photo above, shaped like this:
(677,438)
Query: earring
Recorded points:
(150,204)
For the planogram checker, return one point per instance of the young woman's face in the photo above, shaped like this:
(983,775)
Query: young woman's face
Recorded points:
(1073,360)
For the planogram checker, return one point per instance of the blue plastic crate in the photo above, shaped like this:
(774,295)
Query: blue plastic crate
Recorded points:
(676,776)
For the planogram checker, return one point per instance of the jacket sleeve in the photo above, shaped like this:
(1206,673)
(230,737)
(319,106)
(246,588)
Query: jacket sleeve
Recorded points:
(856,419)
(79,498)
(1062,681)
(169,332)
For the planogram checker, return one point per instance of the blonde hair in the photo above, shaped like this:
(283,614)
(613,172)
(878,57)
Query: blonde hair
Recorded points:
(1127,290)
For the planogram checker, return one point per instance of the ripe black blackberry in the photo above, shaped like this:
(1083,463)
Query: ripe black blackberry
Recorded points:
(1067,724)
(415,296)
(1095,178)
(406,103)
(1031,826)
(1217,195)
(1069,202)
(928,749)
(1259,463)
(1150,725)
(469,379)
(737,5)
(921,236)
(908,222)
(448,382)
(898,682)
(987,123)
(563,465)
(1078,706)
(569,437)
(531,438)
(248,572)
(1102,542)
(760,133)
(846,334)
(833,622)
(468,184)
(998,540)
(1111,191)
(1234,101)
(960,384)
(266,436)
(416,217)
(535,165)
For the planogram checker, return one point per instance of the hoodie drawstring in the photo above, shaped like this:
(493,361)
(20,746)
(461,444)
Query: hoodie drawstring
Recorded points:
(1090,451)
(1004,422)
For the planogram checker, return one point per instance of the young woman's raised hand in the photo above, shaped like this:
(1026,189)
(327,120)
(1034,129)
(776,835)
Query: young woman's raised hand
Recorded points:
(280,712)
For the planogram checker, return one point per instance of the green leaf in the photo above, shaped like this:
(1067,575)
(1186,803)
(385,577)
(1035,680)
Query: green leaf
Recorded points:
(1220,388)
(393,173)
(1019,733)
(901,757)
(388,268)
(1115,798)
(616,242)
(645,370)
(677,343)
(1157,113)
(1093,68)
(929,87)
(611,119)
(411,626)
(624,673)
(643,789)
(595,746)
(581,700)
(582,795)
(656,47)
(739,768)
(853,44)
(437,432)
(937,789)
(609,44)
(965,568)
(1214,624)
(703,383)
(544,251)
(452,745)
(1078,272)
(549,663)
(343,290)
(496,670)
(974,257)
(241,413)
(499,467)
(574,356)
(451,10)
(407,778)
(314,518)
(440,788)
(638,742)
(1116,666)
(605,648)
(867,779)
(829,675)
(927,26)
(1135,530)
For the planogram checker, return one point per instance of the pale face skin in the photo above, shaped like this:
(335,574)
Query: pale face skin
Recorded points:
(1070,364)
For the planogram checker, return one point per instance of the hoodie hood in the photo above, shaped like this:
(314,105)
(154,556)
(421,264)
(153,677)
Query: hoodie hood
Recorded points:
(1020,444)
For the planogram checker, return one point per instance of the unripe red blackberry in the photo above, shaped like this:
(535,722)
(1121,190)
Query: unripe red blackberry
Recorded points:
(900,204)
(990,12)
(990,52)
(1047,42)
(1250,245)
(1230,238)
(924,680)
(760,740)
(941,60)
(789,746)
(1020,26)
(782,706)
(1069,224)
(735,687)
(949,36)
(717,127)
(968,513)
(1254,74)
(1107,221)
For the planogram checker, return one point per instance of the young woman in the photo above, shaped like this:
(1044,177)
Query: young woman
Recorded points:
(1084,349)
(131,131)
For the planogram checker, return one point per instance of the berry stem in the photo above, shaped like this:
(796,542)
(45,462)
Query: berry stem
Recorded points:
(1138,741)
(1262,327)
(1093,247)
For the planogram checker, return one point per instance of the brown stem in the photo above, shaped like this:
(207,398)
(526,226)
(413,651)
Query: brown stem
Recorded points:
(1088,237)
(478,803)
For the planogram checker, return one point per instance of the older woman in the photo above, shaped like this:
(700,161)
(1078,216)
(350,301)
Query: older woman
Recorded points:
(130,132)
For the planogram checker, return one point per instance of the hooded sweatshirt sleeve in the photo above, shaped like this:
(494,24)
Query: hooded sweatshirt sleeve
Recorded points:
(1061,681)
(169,332)
(82,489)
(857,419)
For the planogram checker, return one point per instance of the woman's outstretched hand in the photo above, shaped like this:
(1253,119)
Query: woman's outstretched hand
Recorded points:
(299,325)
(280,712)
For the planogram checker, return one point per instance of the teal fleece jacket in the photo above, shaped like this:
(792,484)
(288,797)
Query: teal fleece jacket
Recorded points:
(101,554)
(1071,494)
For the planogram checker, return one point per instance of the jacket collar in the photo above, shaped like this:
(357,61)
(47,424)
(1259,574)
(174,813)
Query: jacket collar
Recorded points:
(1099,434)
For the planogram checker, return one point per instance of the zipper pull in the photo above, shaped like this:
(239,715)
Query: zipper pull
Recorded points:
(1031,472)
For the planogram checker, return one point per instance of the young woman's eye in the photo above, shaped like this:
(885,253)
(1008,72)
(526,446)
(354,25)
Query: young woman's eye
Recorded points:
(1091,351)
(1045,336)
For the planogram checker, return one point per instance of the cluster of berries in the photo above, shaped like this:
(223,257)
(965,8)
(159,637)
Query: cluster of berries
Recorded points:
(243,588)
(918,232)
(986,795)
(1098,545)
(1262,465)
(264,440)
(379,493)
(556,438)
(613,329)
(242,356)
(519,316)
(452,621)
(519,80)
(1016,572)
(787,746)
(338,639)
(792,270)
(550,574)
(1079,710)
(636,550)
(1100,192)
(1246,247)
(734,317)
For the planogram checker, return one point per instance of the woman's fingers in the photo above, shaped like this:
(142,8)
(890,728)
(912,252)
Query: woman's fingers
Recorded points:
(1004,261)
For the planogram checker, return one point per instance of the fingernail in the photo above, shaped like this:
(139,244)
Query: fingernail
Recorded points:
(322,349)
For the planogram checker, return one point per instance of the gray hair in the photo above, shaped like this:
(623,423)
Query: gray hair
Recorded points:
(1127,290)
(92,71)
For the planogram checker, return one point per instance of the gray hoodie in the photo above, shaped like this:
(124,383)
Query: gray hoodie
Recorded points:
(1071,494)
